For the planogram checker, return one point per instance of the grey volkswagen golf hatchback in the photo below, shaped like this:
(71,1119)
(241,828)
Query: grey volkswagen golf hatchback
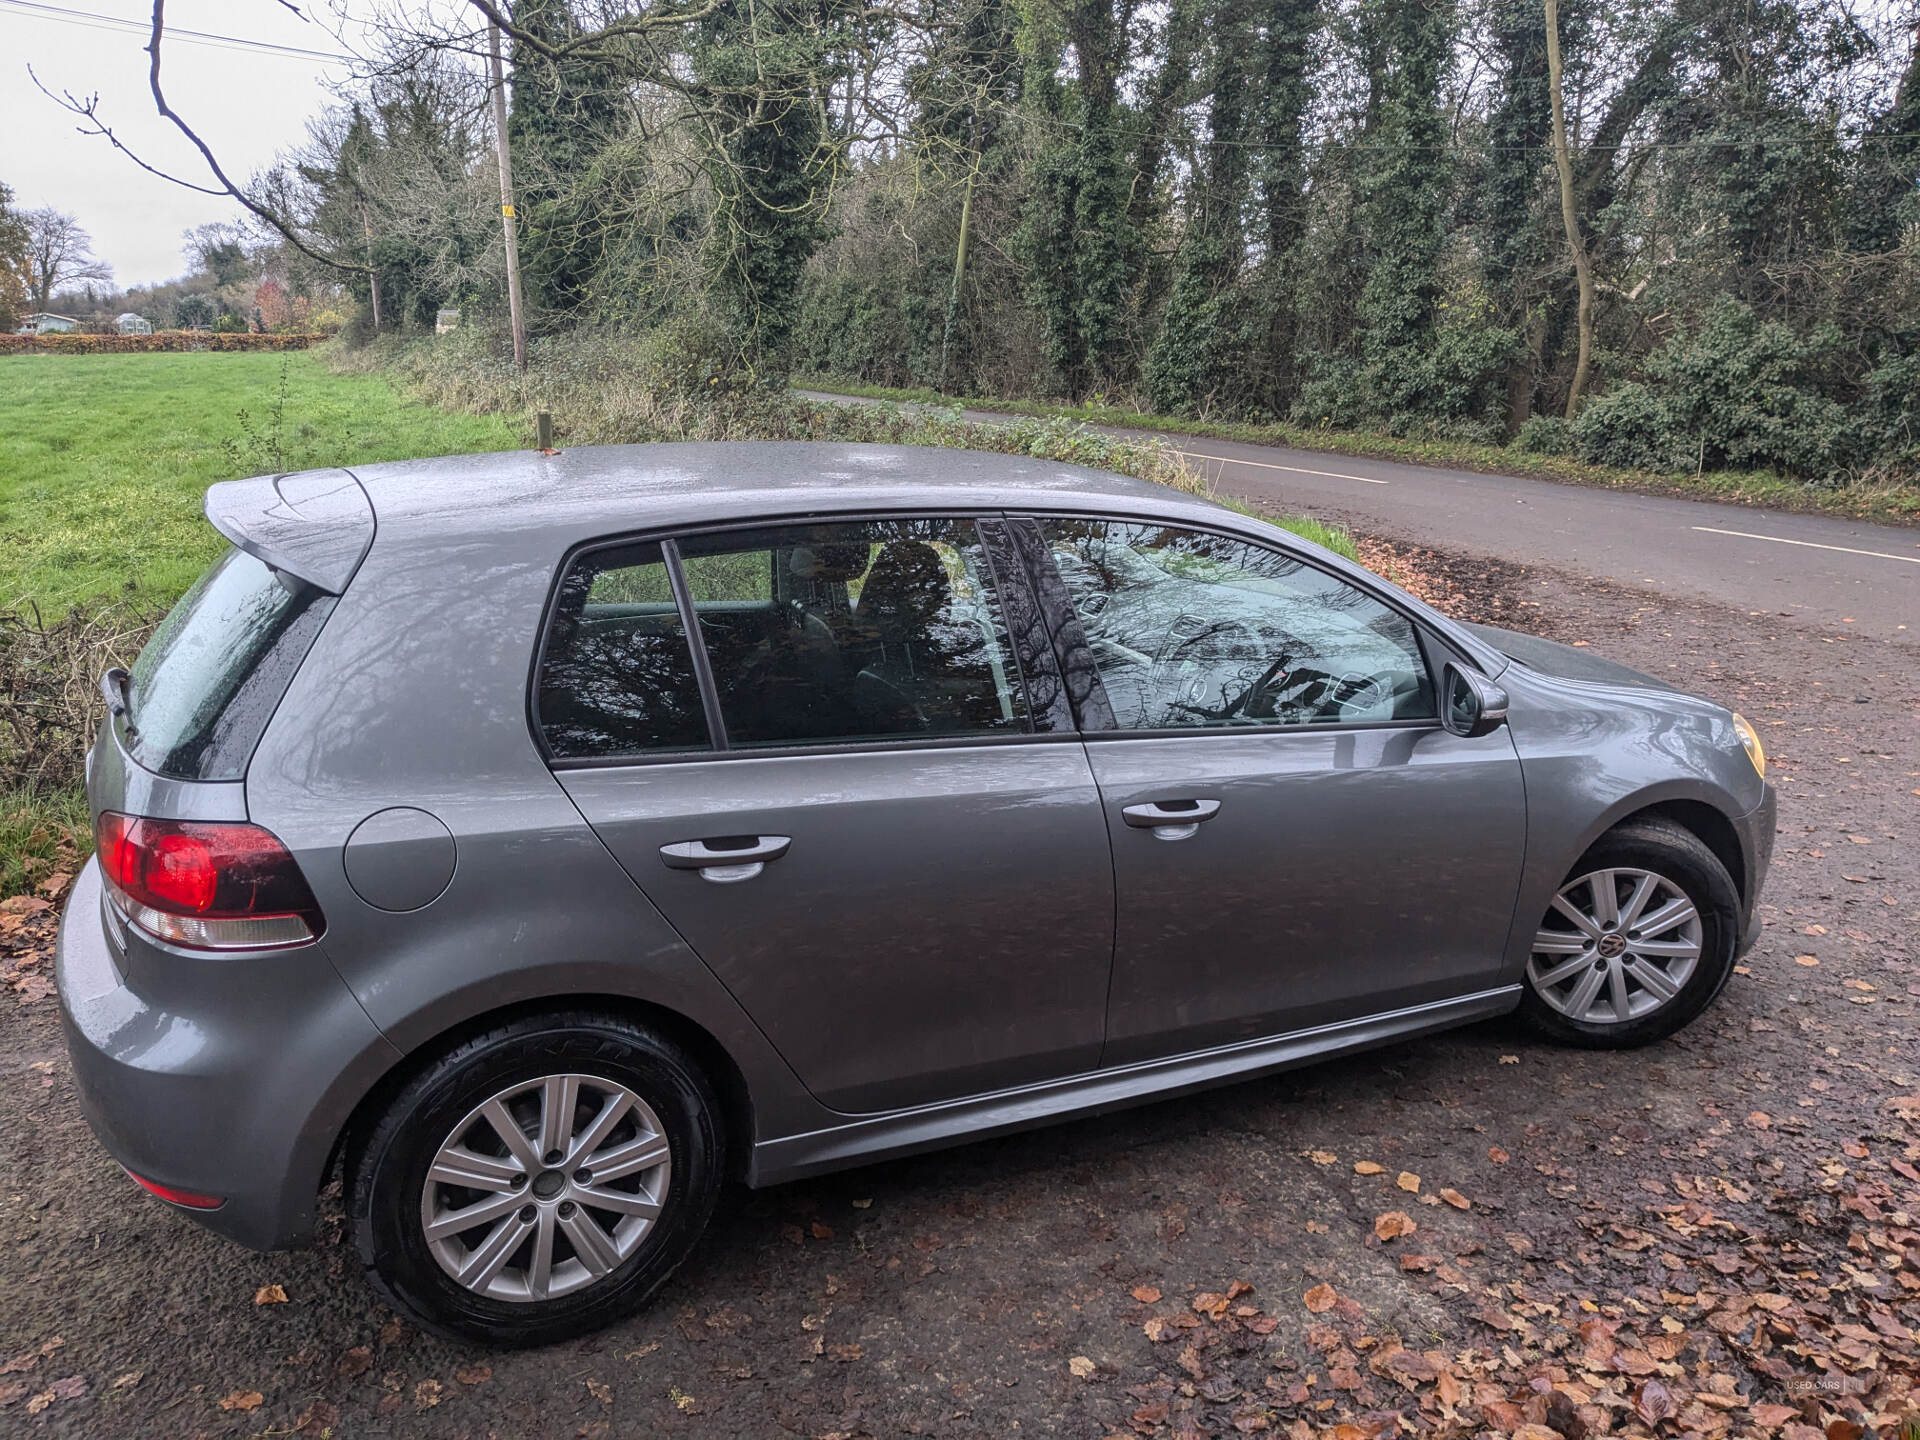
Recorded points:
(548,838)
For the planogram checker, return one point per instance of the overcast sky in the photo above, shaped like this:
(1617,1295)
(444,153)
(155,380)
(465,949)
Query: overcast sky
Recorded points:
(247,104)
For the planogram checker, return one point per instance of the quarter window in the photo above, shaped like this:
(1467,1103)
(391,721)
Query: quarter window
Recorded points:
(886,628)
(1194,630)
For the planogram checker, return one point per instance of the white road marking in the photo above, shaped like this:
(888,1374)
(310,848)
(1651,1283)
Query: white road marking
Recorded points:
(1269,465)
(1809,544)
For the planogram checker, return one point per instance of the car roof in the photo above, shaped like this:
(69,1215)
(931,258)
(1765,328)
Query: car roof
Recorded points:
(605,489)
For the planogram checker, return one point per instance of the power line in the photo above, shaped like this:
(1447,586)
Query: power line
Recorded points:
(94,21)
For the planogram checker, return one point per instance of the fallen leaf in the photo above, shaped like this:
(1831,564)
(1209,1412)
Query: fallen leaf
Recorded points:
(1322,1157)
(863,1204)
(1760,1120)
(429,1393)
(1807,960)
(1321,1298)
(1409,1182)
(1509,1059)
(1367,1167)
(243,1400)
(600,1391)
(270,1295)
(1771,1416)
(1393,1224)
(1316,1227)
(71,1388)
(822,1232)
(319,1417)
(1082,1367)
(474,1375)
(1456,1199)
(1653,1402)
(1497,1155)
(1146,1294)
(356,1361)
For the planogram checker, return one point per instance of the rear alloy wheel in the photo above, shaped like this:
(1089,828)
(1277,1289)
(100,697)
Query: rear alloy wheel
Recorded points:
(1637,941)
(546,1187)
(538,1181)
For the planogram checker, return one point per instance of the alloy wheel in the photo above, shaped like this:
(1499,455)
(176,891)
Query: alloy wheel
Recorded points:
(546,1188)
(1615,945)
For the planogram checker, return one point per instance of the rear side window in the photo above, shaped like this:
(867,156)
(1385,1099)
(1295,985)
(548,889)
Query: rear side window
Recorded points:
(207,683)
(887,629)
(618,677)
(864,630)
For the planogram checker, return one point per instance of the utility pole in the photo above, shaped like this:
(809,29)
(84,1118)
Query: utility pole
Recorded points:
(373,271)
(507,218)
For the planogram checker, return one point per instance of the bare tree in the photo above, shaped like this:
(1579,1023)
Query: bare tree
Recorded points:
(59,253)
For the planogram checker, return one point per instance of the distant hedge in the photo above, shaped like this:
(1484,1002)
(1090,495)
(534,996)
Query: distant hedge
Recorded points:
(76,344)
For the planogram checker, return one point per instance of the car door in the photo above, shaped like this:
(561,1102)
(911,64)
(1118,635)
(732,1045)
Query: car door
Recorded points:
(1296,841)
(857,798)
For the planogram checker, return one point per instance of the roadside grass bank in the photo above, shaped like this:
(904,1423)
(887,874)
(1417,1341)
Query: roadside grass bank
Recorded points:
(615,390)
(1887,500)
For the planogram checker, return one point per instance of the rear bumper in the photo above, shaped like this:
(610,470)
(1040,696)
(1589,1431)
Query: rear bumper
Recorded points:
(228,1077)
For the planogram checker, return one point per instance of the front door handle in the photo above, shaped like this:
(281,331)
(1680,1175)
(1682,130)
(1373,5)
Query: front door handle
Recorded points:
(728,859)
(1170,819)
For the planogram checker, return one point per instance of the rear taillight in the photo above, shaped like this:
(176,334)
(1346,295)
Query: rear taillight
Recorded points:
(206,885)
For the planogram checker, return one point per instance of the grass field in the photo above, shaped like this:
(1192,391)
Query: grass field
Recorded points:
(104,459)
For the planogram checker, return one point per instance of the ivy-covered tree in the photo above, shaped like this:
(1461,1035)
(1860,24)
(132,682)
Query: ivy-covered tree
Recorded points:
(1405,189)
(566,110)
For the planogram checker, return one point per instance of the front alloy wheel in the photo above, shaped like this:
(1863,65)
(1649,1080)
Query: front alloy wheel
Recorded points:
(1616,945)
(1638,940)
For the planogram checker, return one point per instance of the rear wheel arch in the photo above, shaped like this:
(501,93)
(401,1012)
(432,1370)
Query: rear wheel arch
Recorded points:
(694,1039)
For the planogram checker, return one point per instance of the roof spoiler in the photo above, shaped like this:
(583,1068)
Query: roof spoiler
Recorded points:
(315,525)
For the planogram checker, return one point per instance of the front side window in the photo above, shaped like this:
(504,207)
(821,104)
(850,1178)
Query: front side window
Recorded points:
(850,631)
(1194,630)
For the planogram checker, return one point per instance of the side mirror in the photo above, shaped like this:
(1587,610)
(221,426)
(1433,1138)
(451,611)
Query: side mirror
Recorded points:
(1471,704)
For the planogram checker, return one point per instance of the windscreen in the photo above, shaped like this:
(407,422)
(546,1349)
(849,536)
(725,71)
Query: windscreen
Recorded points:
(208,681)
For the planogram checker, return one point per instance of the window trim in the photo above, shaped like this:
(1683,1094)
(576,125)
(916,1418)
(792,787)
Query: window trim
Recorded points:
(719,748)
(696,645)
(1423,639)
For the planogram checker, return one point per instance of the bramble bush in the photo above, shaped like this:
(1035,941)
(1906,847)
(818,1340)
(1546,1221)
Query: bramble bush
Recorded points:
(1745,393)
(161,341)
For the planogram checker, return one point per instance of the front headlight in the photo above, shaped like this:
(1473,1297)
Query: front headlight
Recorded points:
(1749,737)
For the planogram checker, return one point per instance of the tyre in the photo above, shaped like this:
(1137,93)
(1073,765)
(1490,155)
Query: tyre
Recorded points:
(537,1181)
(1636,943)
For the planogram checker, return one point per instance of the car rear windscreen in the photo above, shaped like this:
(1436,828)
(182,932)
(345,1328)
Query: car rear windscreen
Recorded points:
(208,681)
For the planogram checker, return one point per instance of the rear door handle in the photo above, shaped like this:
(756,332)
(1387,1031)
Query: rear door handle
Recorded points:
(1170,819)
(728,859)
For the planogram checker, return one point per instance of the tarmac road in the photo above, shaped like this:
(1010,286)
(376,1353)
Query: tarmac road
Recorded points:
(1827,572)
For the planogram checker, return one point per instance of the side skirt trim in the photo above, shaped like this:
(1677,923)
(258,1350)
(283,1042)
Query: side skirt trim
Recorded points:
(950,1122)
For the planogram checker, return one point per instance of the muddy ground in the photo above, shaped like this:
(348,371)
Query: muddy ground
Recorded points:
(1711,1236)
